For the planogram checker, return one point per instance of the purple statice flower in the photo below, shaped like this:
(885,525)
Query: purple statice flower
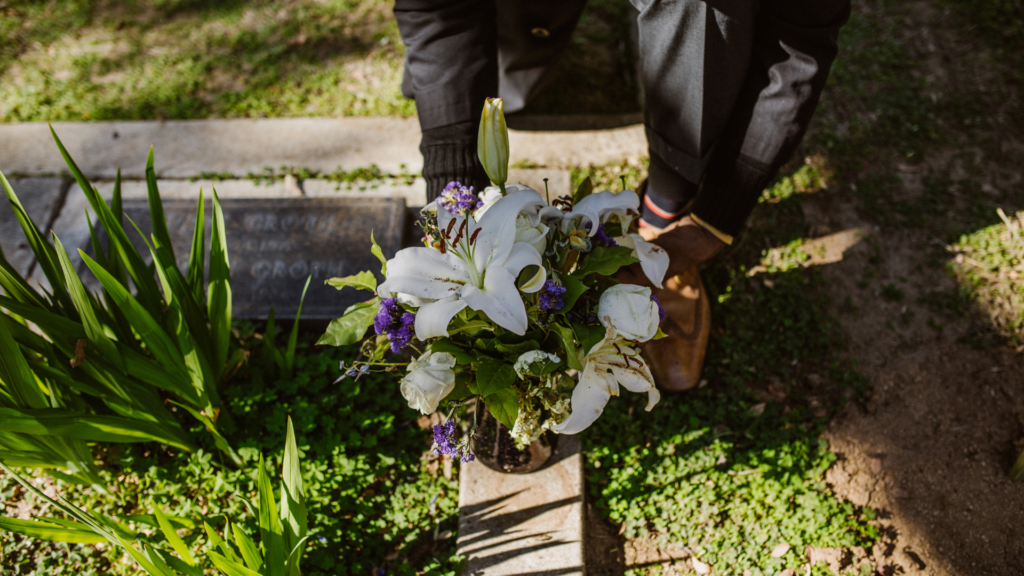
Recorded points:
(551,296)
(602,239)
(661,311)
(458,199)
(395,323)
(445,443)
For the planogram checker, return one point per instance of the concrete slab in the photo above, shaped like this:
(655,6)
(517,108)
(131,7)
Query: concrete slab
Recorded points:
(42,198)
(188,148)
(518,524)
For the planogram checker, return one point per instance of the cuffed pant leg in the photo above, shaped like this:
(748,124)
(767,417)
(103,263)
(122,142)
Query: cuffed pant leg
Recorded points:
(694,57)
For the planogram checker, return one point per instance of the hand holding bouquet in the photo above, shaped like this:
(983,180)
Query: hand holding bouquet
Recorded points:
(511,299)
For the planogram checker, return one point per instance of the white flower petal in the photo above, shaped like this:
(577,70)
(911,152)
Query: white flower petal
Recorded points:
(432,319)
(429,379)
(522,255)
(424,273)
(589,398)
(631,310)
(597,208)
(499,299)
(499,227)
(653,259)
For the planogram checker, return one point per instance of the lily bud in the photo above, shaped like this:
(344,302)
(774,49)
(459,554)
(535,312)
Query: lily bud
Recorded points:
(492,143)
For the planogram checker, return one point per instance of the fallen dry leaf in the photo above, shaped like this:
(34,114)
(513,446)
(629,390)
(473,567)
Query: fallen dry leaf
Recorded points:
(700,567)
(79,353)
(780,550)
(757,409)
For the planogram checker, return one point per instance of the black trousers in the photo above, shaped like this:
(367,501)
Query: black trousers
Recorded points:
(729,85)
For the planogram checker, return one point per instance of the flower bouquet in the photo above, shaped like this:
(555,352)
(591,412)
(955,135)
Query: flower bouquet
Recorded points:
(511,299)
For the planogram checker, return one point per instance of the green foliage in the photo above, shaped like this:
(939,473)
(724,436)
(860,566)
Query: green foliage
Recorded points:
(716,470)
(352,326)
(279,553)
(369,496)
(105,362)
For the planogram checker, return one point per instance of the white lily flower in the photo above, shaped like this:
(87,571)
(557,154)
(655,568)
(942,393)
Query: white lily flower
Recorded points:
(429,380)
(534,235)
(611,363)
(630,309)
(599,208)
(477,268)
(490,195)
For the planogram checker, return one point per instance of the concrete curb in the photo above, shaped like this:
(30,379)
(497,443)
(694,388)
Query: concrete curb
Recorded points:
(189,148)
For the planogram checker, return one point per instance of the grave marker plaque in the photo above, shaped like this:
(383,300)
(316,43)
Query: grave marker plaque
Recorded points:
(275,244)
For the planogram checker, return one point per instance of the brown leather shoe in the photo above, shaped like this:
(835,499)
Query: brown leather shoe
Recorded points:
(677,360)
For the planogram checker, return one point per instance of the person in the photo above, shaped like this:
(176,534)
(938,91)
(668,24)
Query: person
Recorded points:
(729,87)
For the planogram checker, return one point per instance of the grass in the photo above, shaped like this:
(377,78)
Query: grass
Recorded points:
(374,500)
(184,59)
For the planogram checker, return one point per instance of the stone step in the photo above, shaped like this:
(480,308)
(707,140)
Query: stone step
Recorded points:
(189,148)
(518,524)
(42,199)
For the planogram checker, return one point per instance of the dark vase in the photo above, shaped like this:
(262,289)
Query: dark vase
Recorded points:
(493,446)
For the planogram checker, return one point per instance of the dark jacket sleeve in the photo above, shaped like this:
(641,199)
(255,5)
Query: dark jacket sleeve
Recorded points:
(794,47)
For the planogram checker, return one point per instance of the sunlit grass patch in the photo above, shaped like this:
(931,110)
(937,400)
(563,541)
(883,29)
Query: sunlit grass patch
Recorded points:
(990,265)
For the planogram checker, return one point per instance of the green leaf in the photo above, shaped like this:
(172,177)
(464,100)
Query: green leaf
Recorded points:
(565,334)
(376,251)
(493,376)
(586,188)
(15,373)
(588,336)
(171,534)
(156,208)
(462,390)
(605,260)
(229,567)
(352,326)
(271,532)
(365,280)
(93,329)
(219,291)
(217,542)
(516,349)
(197,256)
(91,428)
(446,345)
(293,497)
(573,290)
(504,405)
(45,531)
(293,338)
(250,553)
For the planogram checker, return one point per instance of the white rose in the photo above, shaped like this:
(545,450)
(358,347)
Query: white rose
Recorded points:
(536,236)
(430,379)
(488,196)
(630,309)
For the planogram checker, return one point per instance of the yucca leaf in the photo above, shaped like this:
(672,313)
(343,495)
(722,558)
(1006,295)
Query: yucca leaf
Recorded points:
(151,563)
(16,286)
(197,256)
(271,532)
(219,291)
(231,568)
(156,207)
(90,428)
(293,497)
(26,459)
(293,338)
(52,324)
(250,554)
(45,531)
(172,536)
(177,522)
(93,329)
